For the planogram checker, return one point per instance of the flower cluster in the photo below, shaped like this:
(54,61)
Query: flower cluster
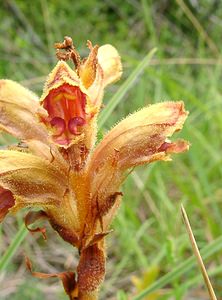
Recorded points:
(74,183)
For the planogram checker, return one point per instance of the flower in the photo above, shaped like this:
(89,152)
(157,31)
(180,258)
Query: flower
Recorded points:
(74,183)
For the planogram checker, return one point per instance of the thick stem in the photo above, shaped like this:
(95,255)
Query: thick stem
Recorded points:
(91,272)
(88,296)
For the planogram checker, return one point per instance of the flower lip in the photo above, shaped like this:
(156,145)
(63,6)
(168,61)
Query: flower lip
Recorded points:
(74,123)
(66,107)
(59,124)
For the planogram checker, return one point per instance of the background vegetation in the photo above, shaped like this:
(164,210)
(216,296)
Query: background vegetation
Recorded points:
(149,238)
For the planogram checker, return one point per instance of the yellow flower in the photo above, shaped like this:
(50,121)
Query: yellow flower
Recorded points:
(61,171)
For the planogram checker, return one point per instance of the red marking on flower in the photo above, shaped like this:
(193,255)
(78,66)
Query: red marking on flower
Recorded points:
(66,112)
(174,147)
(59,124)
(74,123)
(164,147)
(6,202)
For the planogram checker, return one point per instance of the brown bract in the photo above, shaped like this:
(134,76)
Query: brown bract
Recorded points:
(74,183)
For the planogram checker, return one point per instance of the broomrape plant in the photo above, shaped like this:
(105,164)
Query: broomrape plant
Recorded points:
(74,183)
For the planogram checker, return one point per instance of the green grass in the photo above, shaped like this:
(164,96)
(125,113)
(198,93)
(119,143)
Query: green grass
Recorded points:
(148,229)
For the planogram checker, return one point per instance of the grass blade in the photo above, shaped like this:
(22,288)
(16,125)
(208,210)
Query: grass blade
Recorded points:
(197,254)
(183,268)
(124,88)
(19,237)
(198,27)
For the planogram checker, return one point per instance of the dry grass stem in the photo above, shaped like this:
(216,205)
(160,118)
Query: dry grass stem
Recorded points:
(197,254)
(213,47)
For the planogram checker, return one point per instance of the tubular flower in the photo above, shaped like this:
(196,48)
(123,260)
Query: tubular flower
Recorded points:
(74,183)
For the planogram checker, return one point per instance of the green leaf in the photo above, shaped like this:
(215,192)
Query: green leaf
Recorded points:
(183,268)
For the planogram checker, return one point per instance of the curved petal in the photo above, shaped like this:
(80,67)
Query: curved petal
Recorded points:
(31,179)
(108,70)
(67,278)
(110,62)
(18,109)
(140,138)
(34,216)
(87,70)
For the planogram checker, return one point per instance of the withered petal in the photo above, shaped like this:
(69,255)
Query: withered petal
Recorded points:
(31,179)
(67,235)
(6,202)
(67,278)
(87,70)
(34,216)
(18,112)
(97,238)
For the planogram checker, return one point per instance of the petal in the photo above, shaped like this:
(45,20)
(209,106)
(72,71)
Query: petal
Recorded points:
(87,70)
(112,202)
(109,69)
(61,74)
(137,138)
(49,152)
(96,90)
(31,179)
(110,62)
(18,112)
(140,138)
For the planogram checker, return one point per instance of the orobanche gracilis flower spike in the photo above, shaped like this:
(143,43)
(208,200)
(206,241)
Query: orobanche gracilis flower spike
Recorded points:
(74,183)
